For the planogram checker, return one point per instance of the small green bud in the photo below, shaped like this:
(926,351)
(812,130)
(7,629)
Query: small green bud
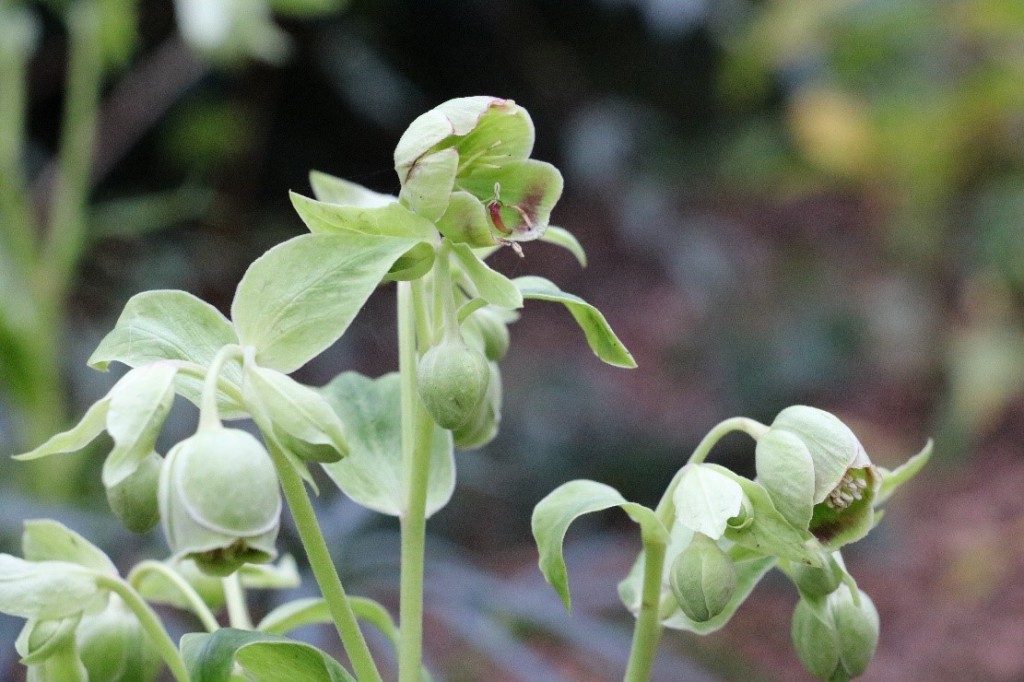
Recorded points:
(219,500)
(703,579)
(134,499)
(818,581)
(114,647)
(482,427)
(488,331)
(835,638)
(452,381)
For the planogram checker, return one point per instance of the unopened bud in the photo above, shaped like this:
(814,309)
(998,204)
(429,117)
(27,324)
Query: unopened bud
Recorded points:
(703,579)
(134,499)
(835,638)
(452,380)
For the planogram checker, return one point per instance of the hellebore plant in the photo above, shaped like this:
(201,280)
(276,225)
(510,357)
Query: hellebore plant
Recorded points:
(468,187)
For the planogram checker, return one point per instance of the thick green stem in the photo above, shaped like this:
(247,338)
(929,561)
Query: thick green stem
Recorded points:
(150,623)
(66,237)
(323,567)
(753,428)
(209,416)
(417,434)
(647,630)
(17,38)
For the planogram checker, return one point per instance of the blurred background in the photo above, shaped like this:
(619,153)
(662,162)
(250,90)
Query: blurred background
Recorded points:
(787,201)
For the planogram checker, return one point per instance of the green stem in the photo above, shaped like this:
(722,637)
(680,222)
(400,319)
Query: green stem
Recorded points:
(209,417)
(234,596)
(647,630)
(417,434)
(323,567)
(150,623)
(195,603)
(66,238)
(17,39)
(749,426)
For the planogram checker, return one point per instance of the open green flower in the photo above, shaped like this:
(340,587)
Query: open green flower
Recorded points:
(465,165)
(219,500)
(818,475)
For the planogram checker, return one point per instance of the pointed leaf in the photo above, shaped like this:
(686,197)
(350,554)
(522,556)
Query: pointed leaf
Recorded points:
(492,286)
(139,404)
(555,513)
(705,500)
(600,337)
(891,480)
(334,190)
(49,540)
(389,220)
(173,325)
(74,439)
(300,296)
(45,589)
(210,657)
(372,473)
(562,237)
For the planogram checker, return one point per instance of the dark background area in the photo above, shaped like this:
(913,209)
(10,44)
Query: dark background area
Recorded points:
(782,202)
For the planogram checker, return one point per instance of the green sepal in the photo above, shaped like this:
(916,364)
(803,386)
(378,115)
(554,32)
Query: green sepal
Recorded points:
(705,500)
(555,513)
(465,221)
(427,188)
(599,334)
(139,405)
(523,195)
(211,657)
(335,190)
(371,475)
(41,639)
(49,540)
(786,470)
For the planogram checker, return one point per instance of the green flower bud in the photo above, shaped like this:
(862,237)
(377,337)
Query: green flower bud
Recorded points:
(818,581)
(134,499)
(114,647)
(48,650)
(835,637)
(219,500)
(482,427)
(487,330)
(703,579)
(452,380)
(818,475)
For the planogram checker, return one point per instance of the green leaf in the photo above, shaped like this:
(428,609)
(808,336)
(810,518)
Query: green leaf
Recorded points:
(412,264)
(769,532)
(74,439)
(45,590)
(562,237)
(300,296)
(139,404)
(210,657)
(555,513)
(427,186)
(492,286)
(173,325)
(390,220)
(334,190)
(302,421)
(372,473)
(49,540)
(891,480)
(296,614)
(600,337)
(705,500)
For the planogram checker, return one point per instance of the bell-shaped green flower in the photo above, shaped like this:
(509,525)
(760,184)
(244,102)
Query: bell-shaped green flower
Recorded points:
(703,579)
(835,637)
(219,500)
(452,380)
(114,647)
(818,475)
(465,165)
(133,500)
